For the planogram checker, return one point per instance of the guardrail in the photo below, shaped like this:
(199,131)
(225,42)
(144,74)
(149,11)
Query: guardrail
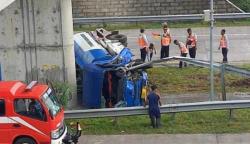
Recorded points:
(227,67)
(237,70)
(169,108)
(202,63)
(158,18)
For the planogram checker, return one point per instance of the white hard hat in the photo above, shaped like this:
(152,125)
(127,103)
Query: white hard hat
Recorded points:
(164,24)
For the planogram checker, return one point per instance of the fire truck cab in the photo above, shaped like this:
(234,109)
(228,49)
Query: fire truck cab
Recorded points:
(30,114)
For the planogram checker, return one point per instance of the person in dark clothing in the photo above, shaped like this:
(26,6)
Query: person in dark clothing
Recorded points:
(35,110)
(151,50)
(153,101)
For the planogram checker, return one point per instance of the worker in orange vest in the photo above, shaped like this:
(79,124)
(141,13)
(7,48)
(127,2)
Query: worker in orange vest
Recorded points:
(183,50)
(224,45)
(165,42)
(143,44)
(191,43)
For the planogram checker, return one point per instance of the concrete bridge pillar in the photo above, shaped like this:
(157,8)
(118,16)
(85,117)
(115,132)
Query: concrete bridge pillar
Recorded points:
(36,41)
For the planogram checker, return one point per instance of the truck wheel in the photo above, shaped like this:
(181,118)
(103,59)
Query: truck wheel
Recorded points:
(120,37)
(25,140)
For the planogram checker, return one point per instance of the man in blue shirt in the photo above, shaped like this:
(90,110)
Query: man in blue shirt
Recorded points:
(153,101)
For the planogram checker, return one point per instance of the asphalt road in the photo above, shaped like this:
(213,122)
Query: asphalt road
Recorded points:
(167,139)
(239,39)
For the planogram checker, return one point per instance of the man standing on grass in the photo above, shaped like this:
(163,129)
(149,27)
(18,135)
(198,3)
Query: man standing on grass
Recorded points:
(153,101)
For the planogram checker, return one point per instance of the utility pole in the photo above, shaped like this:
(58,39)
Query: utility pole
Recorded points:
(211,51)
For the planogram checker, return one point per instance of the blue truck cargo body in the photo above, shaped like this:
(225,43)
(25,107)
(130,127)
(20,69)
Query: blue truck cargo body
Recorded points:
(92,80)
(102,73)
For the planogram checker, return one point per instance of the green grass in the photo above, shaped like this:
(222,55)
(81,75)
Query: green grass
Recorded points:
(245,66)
(192,122)
(155,25)
(193,79)
(243,4)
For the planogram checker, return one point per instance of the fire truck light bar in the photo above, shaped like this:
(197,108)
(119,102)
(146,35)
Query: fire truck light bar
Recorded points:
(31,85)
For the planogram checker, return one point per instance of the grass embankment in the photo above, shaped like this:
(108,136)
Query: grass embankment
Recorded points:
(172,80)
(245,66)
(192,122)
(156,25)
(194,79)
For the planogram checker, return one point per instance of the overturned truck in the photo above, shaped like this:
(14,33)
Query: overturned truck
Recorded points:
(102,60)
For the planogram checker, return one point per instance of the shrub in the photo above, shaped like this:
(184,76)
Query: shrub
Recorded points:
(243,4)
(63,92)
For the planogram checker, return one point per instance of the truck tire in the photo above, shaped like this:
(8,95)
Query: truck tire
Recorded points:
(25,140)
(120,37)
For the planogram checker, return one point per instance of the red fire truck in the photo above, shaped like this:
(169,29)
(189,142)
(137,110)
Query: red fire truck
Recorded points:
(31,114)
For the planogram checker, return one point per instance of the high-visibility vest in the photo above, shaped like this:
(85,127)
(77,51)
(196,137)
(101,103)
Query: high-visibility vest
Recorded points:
(192,38)
(165,40)
(144,93)
(141,41)
(183,48)
(223,42)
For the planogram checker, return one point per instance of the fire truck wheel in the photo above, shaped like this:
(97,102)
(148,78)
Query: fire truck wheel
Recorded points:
(25,140)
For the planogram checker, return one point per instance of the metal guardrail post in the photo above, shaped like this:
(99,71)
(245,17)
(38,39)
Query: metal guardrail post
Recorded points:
(223,87)
(104,24)
(211,96)
(172,117)
(230,114)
